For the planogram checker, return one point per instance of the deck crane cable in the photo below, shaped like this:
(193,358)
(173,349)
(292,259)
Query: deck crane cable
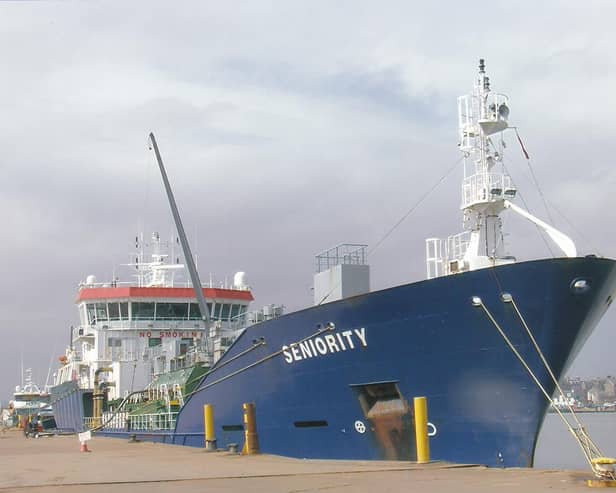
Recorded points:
(541,234)
(401,220)
(546,202)
(415,205)
(532,174)
(519,194)
(591,452)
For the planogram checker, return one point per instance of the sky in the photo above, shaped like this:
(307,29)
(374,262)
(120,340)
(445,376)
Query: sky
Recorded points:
(286,128)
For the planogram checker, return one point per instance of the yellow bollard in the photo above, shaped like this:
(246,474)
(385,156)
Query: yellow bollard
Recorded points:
(98,398)
(421,429)
(208,427)
(251,444)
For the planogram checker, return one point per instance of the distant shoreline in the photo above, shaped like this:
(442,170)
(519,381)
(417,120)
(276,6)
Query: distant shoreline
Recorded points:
(584,410)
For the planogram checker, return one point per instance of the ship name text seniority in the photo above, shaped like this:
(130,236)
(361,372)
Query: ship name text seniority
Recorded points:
(327,344)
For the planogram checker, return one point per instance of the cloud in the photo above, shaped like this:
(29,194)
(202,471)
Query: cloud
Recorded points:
(285,128)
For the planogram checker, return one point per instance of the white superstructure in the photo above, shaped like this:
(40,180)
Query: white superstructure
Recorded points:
(28,398)
(130,332)
(487,189)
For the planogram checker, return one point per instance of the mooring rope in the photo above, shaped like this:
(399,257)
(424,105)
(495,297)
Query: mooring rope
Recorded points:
(591,452)
(580,432)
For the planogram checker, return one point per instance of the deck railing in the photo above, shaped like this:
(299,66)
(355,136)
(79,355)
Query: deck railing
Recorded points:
(137,422)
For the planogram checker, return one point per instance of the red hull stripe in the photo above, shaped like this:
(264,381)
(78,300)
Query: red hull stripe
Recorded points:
(134,292)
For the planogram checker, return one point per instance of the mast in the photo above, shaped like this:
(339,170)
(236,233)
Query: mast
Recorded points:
(486,184)
(190,263)
(487,189)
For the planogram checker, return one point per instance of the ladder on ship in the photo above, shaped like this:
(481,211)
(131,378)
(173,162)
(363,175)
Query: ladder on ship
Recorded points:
(173,398)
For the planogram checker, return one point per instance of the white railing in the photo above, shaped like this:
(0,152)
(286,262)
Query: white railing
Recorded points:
(467,107)
(116,421)
(90,422)
(434,258)
(486,187)
(439,253)
(138,422)
(151,422)
(184,325)
(457,245)
(117,354)
(212,283)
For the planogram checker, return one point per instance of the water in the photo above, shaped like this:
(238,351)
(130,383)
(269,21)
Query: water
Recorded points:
(557,449)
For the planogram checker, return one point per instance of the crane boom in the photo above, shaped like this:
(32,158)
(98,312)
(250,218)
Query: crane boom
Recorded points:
(190,263)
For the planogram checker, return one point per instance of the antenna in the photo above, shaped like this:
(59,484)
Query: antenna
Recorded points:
(49,369)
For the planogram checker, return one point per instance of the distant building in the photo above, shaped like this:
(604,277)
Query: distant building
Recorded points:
(595,395)
(609,388)
(563,402)
(595,392)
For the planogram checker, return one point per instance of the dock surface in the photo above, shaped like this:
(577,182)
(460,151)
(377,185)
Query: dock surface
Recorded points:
(56,464)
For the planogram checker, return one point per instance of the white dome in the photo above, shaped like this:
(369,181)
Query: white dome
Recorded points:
(239,280)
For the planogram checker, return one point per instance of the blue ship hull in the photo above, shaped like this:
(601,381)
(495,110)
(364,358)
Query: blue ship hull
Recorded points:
(426,339)
(71,405)
(343,393)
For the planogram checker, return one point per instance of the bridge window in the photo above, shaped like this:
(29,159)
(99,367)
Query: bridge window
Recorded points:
(91,311)
(118,311)
(114,311)
(124,310)
(216,312)
(171,311)
(143,310)
(195,313)
(101,312)
(235,311)
(224,311)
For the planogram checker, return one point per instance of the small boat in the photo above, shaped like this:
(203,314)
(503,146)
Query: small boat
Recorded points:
(29,400)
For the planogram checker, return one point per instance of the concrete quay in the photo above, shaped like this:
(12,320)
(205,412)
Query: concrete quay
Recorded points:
(56,464)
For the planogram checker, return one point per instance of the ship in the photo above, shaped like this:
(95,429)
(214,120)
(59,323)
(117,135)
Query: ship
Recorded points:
(145,337)
(28,399)
(30,402)
(484,338)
